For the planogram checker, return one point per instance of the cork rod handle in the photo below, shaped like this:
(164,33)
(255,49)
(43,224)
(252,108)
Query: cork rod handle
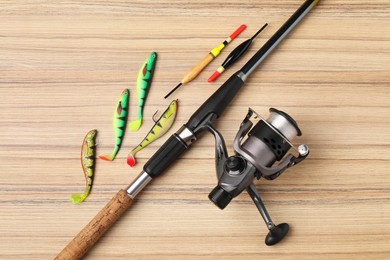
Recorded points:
(95,229)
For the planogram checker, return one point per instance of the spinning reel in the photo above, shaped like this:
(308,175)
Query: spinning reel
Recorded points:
(267,142)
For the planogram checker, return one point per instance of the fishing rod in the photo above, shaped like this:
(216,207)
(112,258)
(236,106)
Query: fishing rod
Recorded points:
(199,122)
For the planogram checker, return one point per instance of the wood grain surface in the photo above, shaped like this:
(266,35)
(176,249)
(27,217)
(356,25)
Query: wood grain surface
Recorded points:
(63,65)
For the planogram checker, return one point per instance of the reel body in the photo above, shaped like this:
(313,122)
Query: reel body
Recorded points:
(267,142)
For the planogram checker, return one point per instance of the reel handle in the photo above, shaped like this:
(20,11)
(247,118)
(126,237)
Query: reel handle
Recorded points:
(276,232)
(96,228)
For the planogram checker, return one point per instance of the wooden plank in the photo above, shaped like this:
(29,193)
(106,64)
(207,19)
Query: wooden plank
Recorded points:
(64,64)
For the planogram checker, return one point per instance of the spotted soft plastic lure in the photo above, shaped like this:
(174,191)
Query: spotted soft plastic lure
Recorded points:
(119,124)
(144,81)
(161,126)
(88,164)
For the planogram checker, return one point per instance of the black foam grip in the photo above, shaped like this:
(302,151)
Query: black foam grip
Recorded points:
(217,103)
(165,156)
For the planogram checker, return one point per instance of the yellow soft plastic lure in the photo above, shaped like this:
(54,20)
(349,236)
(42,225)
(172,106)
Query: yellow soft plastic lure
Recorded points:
(88,164)
(161,126)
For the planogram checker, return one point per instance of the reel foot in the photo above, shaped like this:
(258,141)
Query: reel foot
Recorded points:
(276,234)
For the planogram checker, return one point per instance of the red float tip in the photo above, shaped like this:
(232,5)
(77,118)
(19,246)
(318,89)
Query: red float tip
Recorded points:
(238,31)
(214,76)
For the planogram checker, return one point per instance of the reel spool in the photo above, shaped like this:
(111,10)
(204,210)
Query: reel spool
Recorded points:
(267,142)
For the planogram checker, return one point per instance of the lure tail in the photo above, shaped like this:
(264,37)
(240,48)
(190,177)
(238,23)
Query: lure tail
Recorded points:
(77,198)
(131,156)
(135,125)
(131,159)
(107,157)
(112,156)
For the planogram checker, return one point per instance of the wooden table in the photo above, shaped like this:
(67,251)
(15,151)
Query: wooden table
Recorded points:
(64,64)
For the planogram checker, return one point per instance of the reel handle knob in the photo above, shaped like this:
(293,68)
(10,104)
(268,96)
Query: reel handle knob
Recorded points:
(276,234)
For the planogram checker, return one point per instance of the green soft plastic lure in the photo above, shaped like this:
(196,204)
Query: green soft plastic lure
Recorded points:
(144,80)
(88,164)
(161,126)
(119,124)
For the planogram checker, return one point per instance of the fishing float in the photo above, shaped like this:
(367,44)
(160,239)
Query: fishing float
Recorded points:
(195,70)
(179,142)
(237,53)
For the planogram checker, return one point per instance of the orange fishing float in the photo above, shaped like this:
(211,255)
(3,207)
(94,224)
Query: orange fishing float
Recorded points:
(194,71)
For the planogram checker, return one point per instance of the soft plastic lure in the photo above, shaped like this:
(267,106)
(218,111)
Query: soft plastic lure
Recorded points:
(119,124)
(88,164)
(161,126)
(144,79)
